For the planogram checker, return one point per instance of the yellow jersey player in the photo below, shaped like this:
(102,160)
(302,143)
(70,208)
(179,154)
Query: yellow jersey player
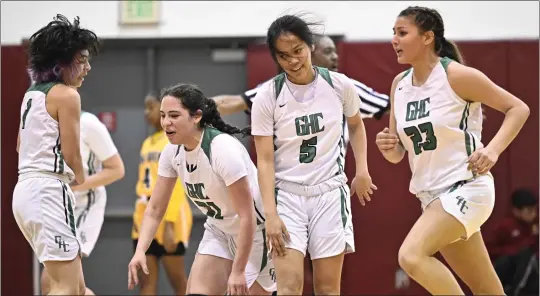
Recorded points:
(171,240)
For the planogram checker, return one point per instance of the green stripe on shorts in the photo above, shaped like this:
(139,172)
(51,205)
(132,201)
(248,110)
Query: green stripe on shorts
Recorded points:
(265,251)
(343,206)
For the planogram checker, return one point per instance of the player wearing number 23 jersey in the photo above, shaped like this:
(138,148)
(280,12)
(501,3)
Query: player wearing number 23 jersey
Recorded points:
(440,131)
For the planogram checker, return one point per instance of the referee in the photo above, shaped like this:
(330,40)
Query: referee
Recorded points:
(325,55)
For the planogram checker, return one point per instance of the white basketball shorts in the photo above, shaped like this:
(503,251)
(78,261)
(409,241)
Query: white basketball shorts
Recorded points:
(89,216)
(43,208)
(259,268)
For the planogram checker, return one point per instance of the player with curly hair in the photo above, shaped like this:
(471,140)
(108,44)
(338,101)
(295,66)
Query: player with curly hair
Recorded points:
(49,150)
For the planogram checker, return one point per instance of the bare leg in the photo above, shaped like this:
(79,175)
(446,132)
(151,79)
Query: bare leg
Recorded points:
(174,267)
(434,230)
(289,272)
(46,287)
(209,275)
(65,277)
(149,281)
(45,282)
(470,260)
(327,275)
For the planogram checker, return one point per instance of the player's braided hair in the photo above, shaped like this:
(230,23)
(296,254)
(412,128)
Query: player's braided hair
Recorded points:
(55,46)
(193,99)
(428,19)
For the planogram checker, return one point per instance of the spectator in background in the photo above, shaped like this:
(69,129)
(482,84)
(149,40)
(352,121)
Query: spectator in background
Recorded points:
(513,245)
(171,240)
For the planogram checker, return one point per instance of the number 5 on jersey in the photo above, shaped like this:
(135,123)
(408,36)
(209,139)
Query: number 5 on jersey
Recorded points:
(308,125)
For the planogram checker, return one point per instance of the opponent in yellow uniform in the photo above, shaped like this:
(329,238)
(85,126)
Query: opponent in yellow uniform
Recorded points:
(172,236)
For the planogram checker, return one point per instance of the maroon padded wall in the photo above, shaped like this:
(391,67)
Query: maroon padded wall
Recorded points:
(16,253)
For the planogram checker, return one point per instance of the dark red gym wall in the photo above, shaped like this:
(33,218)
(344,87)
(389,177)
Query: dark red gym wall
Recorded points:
(16,253)
(381,226)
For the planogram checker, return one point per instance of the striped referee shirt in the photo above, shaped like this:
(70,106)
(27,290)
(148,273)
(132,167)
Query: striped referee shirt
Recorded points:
(374,104)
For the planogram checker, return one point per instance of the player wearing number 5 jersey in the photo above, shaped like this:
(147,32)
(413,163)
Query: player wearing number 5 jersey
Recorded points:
(298,123)
(437,119)
(220,179)
(172,236)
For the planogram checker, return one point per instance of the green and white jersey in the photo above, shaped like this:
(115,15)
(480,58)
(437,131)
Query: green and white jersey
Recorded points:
(206,171)
(307,123)
(96,147)
(438,129)
(39,135)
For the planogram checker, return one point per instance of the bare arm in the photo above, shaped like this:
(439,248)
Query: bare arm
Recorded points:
(264,146)
(68,105)
(113,170)
(357,133)
(18,141)
(394,155)
(229,104)
(154,211)
(474,85)
(242,201)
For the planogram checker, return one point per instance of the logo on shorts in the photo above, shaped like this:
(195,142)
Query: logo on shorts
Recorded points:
(272,274)
(462,203)
(61,243)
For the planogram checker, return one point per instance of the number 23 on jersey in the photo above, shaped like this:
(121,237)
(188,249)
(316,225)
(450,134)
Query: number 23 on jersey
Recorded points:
(197,195)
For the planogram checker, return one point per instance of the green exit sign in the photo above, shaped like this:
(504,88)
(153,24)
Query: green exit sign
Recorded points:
(139,12)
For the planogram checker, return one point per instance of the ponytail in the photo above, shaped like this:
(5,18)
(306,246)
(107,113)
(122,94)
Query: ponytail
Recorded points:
(211,117)
(193,99)
(450,50)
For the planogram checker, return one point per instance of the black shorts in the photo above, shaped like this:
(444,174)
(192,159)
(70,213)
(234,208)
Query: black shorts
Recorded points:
(158,250)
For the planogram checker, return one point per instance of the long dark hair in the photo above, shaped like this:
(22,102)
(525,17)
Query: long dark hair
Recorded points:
(193,99)
(427,19)
(295,24)
(56,45)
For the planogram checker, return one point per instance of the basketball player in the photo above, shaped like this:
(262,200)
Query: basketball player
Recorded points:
(297,123)
(102,166)
(49,150)
(437,119)
(220,178)
(172,237)
(325,55)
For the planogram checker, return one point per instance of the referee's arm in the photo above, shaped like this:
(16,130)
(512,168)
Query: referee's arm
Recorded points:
(230,104)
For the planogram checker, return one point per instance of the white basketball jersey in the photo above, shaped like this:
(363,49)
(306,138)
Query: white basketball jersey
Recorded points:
(39,134)
(438,129)
(218,161)
(307,122)
(96,147)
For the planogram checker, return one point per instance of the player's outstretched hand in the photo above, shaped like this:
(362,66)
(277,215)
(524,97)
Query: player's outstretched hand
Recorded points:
(137,262)
(363,187)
